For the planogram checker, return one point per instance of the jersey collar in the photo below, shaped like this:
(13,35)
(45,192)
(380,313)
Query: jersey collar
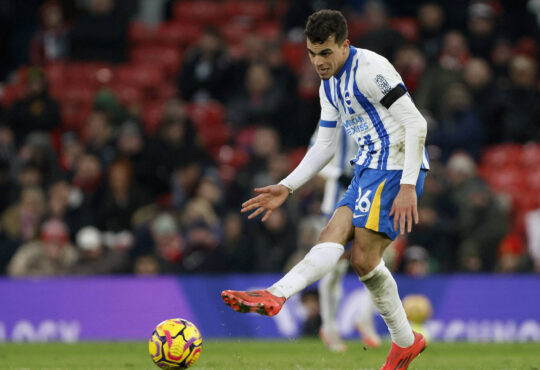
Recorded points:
(348,62)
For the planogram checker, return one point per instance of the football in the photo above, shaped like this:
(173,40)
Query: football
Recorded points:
(175,344)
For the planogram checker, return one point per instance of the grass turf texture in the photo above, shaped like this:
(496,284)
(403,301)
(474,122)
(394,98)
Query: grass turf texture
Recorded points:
(256,354)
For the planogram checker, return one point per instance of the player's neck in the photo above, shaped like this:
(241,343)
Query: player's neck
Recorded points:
(343,62)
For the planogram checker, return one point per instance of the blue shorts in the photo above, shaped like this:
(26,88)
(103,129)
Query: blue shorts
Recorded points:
(370,196)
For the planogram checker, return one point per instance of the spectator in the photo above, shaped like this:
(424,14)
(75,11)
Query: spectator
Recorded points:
(260,101)
(37,111)
(51,254)
(416,261)
(448,70)
(312,311)
(101,33)
(50,42)
(203,71)
(88,178)
(431,21)
(486,96)
(410,64)
(122,198)
(203,234)
(459,126)
(175,145)
(130,144)
(100,139)
(379,38)
(67,203)
(481,27)
(482,219)
(159,246)
(436,230)
(94,257)
(234,254)
(71,151)
(20,222)
(273,241)
(519,114)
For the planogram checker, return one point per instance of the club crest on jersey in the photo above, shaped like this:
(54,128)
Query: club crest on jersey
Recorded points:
(383,84)
(355,125)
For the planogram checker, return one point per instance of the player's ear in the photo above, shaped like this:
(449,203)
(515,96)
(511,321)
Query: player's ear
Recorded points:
(346,44)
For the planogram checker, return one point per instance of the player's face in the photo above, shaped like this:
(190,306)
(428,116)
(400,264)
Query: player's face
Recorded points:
(328,57)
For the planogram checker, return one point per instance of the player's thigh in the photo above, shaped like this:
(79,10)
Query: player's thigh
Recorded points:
(340,228)
(367,250)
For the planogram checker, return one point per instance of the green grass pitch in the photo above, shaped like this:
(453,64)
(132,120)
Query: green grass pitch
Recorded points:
(258,354)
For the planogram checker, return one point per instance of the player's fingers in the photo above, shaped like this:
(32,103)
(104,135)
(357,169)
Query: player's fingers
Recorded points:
(415,214)
(256,213)
(396,219)
(393,208)
(409,220)
(267,215)
(402,219)
(266,189)
(247,208)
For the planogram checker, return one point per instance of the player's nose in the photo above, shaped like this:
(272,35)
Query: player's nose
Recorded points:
(317,61)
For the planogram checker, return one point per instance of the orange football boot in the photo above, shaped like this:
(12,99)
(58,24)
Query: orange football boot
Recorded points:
(260,301)
(399,358)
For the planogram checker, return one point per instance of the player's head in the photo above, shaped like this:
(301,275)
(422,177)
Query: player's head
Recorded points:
(327,43)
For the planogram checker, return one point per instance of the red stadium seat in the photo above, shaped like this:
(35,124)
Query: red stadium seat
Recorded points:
(11,93)
(530,156)
(178,34)
(202,12)
(270,31)
(407,26)
(140,75)
(294,54)
(167,57)
(501,155)
(140,33)
(128,94)
(83,94)
(235,33)
(533,179)
(254,10)
(507,179)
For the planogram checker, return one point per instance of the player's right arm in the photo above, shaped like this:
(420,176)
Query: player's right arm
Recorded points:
(318,156)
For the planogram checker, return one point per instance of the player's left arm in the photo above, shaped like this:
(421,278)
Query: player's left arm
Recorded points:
(405,208)
(387,87)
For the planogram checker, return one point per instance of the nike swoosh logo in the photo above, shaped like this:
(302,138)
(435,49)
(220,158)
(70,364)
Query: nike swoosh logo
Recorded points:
(358,216)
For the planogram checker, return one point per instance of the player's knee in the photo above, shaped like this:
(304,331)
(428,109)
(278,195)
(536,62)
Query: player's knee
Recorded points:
(363,263)
(334,233)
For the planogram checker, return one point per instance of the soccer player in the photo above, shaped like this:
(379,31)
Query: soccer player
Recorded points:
(362,92)
(338,174)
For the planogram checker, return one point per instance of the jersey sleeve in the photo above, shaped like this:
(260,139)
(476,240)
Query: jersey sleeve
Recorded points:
(329,112)
(383,83)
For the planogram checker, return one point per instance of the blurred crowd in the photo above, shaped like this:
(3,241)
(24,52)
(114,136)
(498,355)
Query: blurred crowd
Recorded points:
(132,131)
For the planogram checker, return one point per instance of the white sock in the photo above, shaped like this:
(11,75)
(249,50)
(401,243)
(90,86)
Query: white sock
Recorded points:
(383,289)
(330,293)
(317,263)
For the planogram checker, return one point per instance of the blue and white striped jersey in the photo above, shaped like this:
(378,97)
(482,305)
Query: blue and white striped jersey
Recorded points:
(351,100)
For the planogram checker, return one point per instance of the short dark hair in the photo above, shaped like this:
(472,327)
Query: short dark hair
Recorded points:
(325,23)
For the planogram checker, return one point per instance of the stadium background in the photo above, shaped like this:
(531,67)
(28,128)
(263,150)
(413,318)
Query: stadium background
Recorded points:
(153,120)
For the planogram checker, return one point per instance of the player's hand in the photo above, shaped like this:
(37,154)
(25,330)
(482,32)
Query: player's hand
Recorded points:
(269,198)
(404,209)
